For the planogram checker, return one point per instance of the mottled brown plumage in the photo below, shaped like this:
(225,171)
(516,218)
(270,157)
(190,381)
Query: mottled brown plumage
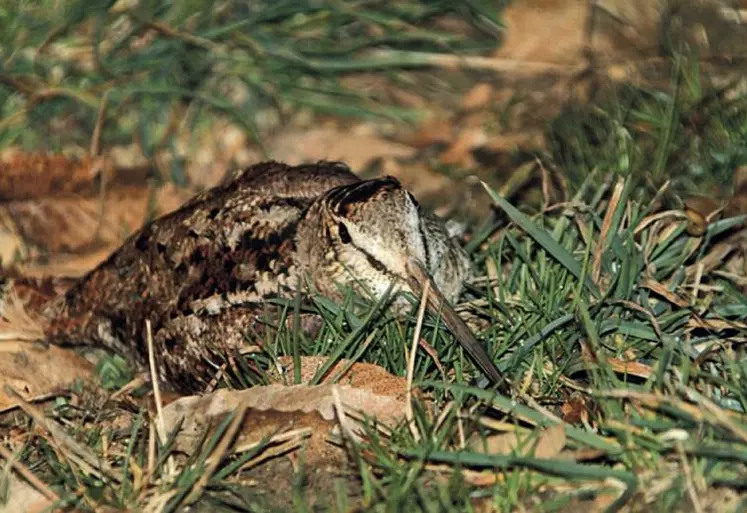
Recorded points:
(201,273)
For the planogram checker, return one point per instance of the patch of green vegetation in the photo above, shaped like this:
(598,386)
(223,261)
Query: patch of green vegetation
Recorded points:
(601,306)
(141,69)
(693,134)
(599,302)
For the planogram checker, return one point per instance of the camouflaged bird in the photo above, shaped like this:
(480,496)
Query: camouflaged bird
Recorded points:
(201,273)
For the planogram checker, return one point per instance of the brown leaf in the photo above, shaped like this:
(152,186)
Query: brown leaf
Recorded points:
(629,368)
(364,376)
(662,290)
(459,152)
(30,293)
(550,442)
(33,175)
(504,443)
(23,497)
(477,97)
(64,265)
(574,411)
(75,224)
(280,407)
(356,147)
(11,247)
(431,131)
(560,40)
(700,212)
(35,371)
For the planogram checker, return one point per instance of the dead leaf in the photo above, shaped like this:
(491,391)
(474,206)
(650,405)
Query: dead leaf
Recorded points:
(430,132)
(36,371)
(75,224)
(662,290)
(504,443)
(356,146)
(626,29)
(638,369)
(561,39)
(33,175)
(23,497)
(459,152)
(700,212)
(280,407)
(364,376)
(574,411)
(550,442)
(477,97)
(64,265)
(11,248)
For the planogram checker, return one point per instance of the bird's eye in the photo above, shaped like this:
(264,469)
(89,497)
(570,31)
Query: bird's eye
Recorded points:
(344,234)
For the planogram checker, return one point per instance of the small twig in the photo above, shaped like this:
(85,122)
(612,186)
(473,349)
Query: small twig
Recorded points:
(133,384)
(95,147)
(288,436)
(689,483)
(604,234)
(169,31)
(696,282)
(411,359)
(28,475)
(160,422)
(151,449)
(544,411)
(514,67)
(431,351)
(97,162)
(271,452)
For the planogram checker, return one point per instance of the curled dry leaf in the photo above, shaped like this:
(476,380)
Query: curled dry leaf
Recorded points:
(275,408)
(27,294)
(32,368)
(460,150)
(81,225)
(700,212)
(575,410)
(504,443)
(36,371)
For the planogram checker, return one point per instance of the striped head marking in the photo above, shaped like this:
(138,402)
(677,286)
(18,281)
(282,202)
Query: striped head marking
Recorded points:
(369,230)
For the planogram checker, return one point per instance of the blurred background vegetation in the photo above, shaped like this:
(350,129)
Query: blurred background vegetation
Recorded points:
(175,94)
(141,71)
(84,77)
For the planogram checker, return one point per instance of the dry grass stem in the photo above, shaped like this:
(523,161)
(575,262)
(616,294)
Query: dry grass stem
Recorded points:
(28,475)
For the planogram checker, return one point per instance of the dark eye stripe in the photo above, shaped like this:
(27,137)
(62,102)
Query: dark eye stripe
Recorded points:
(344,234)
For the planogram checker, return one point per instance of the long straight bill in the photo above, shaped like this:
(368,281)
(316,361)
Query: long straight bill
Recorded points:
(438,305)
